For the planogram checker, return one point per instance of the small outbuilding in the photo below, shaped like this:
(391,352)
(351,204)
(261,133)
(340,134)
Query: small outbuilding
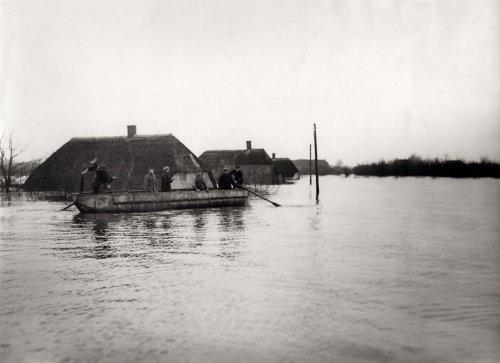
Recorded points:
(285,169)
(128,158)
(256,165)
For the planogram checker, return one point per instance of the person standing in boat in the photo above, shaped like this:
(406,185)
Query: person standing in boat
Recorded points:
(91,167)
(150,181)
(101,177)
(166,180)
(225,180)
(237,175)
(199,182)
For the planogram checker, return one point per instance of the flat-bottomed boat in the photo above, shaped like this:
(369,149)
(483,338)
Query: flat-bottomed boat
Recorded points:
(141,201)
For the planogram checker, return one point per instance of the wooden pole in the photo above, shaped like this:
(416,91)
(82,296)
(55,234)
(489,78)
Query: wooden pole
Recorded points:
(316,163)
(310,166)
(257,194)
(69,205)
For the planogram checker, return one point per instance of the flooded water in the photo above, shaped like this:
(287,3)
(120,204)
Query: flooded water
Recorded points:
(380,270)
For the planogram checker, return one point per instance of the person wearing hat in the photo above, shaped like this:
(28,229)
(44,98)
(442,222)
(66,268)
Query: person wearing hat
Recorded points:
(150,182)
(225,180)
(237,174)
(166,180)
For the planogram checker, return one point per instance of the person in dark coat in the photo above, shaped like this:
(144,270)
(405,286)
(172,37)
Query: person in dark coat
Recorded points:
(150,181)
(225,180)
(166,180)
(101,178)
(237,175)
(199,183)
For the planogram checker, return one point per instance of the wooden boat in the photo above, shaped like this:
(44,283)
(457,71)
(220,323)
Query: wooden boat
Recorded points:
(140,201)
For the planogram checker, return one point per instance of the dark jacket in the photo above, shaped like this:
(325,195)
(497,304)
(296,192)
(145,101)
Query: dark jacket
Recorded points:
(225,181)
(237,175)
(92,167)
(101,177)
(165,184)
(199,183)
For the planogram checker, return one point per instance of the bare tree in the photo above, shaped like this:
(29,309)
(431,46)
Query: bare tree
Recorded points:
(8,166)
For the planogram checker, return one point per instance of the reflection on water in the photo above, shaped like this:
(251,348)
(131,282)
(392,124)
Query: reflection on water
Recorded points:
(378,270)
(199,221)
(314,217)
(175,232)
(231,220)
(149,222)
(6,200)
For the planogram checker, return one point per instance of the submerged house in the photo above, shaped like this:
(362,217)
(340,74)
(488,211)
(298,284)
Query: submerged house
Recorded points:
(303,166)
(128,158)
(285,169)
(256,165)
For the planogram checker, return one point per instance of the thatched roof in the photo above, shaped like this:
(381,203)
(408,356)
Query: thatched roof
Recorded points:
(217,159)
(303,166)
(285,167)
(121,155)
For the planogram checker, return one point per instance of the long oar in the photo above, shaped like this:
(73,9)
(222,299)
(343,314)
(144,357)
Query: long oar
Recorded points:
(69,205)
(257,194)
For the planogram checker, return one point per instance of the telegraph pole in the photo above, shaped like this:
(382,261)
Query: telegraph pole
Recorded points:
(316,163)
(310,165)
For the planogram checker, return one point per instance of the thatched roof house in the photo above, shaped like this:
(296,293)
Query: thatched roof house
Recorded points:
(303,166)
(128,158)
(256,165)
(285,169)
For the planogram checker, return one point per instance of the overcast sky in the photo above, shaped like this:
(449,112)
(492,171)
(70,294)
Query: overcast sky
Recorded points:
(381,78)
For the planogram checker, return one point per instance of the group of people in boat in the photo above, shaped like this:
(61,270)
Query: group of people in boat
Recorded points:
(102,179)
(151,182)
(230,180)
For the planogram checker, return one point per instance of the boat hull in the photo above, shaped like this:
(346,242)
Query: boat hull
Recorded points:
(138,202)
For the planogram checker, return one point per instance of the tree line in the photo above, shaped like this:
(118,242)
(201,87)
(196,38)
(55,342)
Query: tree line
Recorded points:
(416,166)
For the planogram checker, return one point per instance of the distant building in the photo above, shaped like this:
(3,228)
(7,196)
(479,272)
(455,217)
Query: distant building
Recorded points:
(256,165)
(303,166)
(128,158)
(285,169)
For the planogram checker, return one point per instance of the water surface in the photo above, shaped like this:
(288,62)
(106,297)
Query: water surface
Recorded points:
(380,270)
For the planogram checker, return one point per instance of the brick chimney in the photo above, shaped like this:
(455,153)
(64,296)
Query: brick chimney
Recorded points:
(274,156)
(249,145)
(131,131)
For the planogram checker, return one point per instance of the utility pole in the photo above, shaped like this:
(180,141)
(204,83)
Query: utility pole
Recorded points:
(316,163)
(310,165)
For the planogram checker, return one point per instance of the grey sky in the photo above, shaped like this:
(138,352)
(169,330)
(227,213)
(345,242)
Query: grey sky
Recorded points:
(382,79)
